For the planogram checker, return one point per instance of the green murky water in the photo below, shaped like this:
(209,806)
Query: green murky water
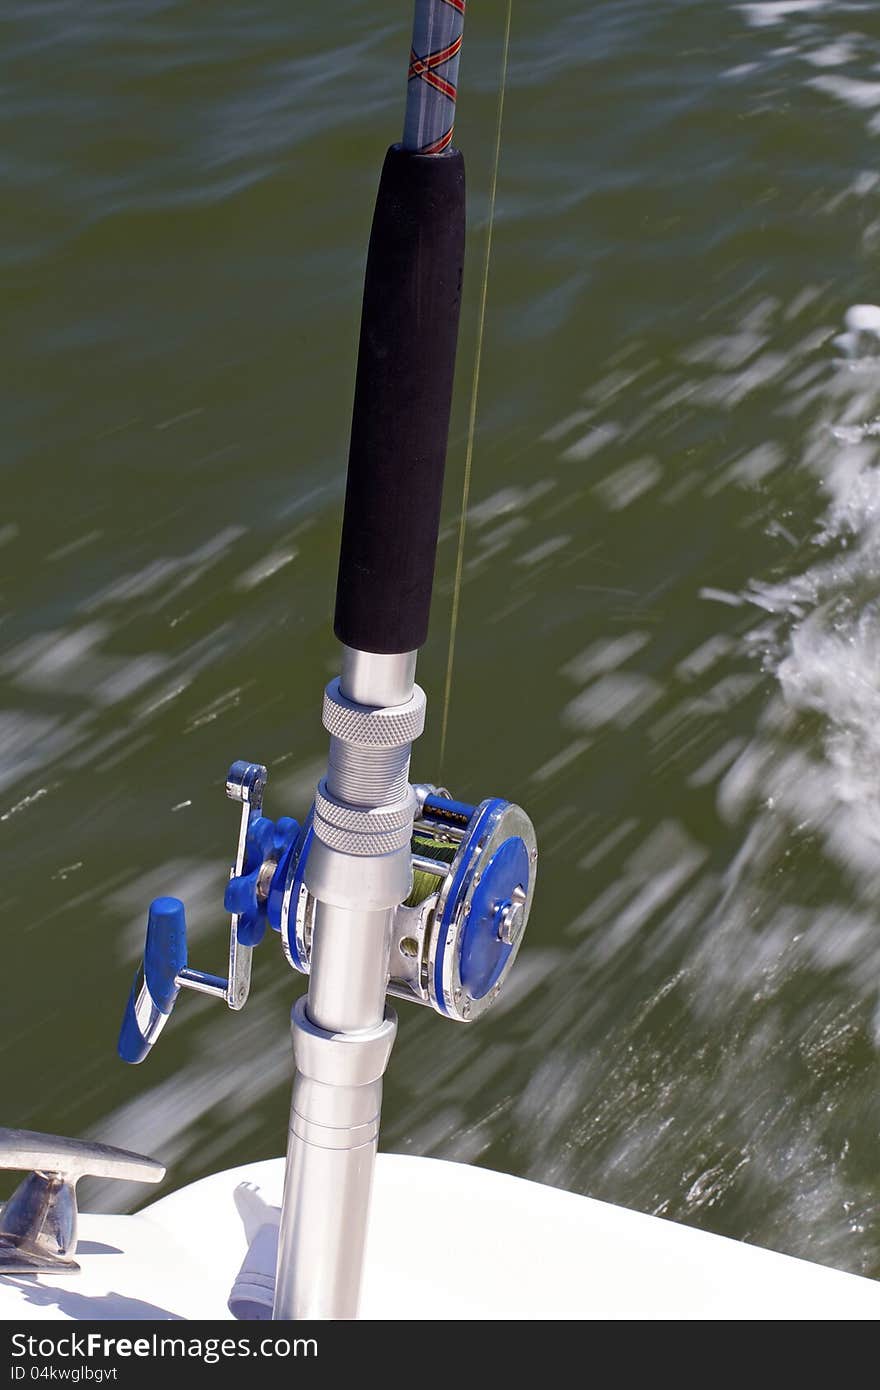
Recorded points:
(670,632)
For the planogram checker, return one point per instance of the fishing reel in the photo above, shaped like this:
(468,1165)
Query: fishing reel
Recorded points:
(455,937)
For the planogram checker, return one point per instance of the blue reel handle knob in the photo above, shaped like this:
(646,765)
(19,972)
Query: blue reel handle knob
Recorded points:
(155,985)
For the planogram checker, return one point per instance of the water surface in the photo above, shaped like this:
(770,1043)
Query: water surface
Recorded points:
(670,628)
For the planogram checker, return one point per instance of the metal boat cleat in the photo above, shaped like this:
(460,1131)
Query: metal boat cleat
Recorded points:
(38,1225)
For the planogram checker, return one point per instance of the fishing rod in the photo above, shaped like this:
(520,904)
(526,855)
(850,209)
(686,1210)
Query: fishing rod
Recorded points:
(385,887)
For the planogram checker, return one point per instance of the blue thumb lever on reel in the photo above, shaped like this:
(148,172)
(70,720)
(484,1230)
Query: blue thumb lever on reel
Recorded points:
(165,969)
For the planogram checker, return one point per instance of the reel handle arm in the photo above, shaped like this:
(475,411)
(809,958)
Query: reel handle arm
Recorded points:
(165,969)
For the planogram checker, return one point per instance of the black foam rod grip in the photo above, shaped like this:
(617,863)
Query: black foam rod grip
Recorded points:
(403,394)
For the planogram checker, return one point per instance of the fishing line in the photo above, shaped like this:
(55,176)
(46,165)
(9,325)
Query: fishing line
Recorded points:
(475,386)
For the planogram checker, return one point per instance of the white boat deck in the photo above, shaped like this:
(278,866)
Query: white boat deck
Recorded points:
(446,1242)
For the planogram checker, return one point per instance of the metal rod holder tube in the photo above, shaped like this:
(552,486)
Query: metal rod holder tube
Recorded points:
(347,999)
(341,1030)
(326,1199)
(334,1132)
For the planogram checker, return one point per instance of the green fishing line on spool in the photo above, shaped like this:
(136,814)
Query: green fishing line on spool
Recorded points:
(424,883)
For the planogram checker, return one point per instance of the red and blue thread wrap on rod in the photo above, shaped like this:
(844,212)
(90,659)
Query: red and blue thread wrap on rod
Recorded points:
(433,75)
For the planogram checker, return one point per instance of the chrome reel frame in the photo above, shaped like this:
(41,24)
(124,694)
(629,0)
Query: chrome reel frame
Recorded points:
(453,949)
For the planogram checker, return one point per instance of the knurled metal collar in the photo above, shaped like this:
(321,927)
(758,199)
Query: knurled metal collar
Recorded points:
(366,727)
(368,842)
(397,816)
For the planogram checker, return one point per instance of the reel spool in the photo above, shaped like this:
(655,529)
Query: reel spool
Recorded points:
(459,931)
(455,937)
